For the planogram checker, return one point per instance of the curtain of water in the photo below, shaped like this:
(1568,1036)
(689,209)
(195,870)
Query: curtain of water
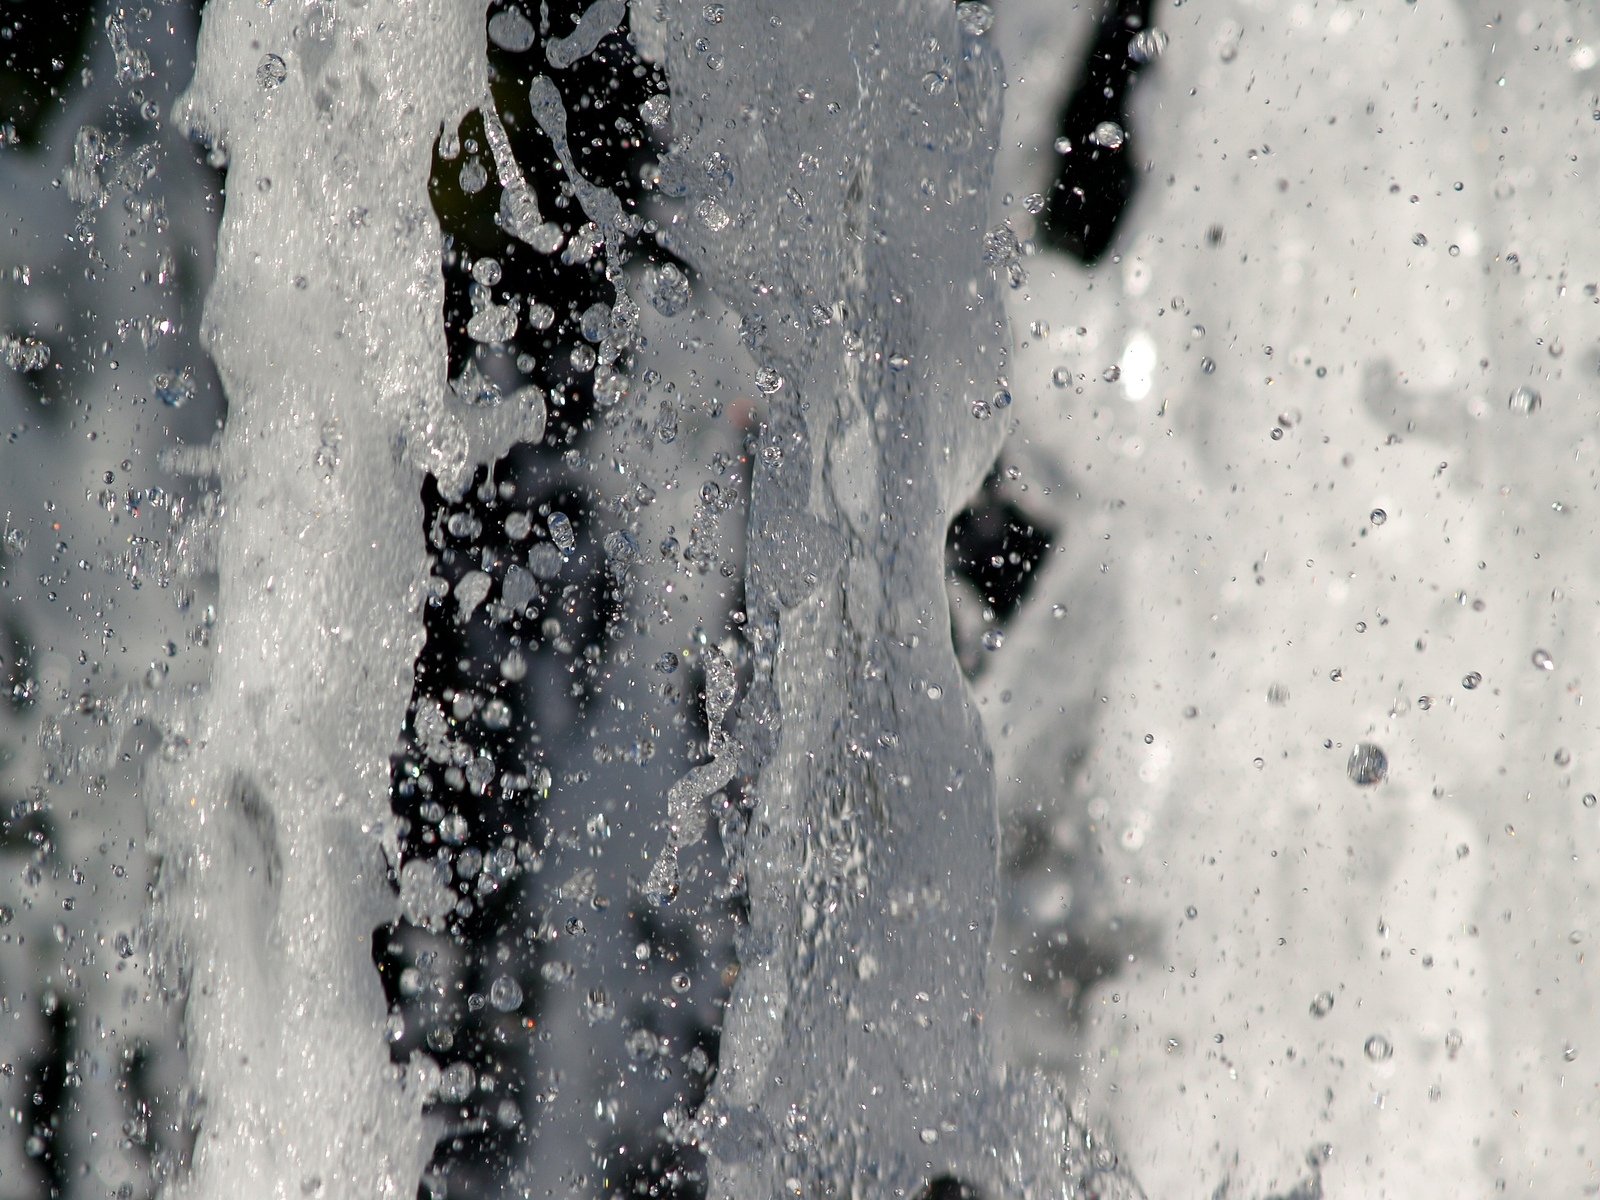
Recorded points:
(835,169)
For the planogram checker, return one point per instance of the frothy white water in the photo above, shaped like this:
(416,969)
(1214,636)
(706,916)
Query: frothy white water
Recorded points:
(835,166)
(271,814)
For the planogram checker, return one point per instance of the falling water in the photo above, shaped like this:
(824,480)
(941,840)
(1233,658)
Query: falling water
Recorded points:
(1279,730)
(842,214)
(271,808)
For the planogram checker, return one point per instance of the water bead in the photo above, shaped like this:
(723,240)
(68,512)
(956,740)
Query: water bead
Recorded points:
(271,73)
(1524,401)
(1367,765)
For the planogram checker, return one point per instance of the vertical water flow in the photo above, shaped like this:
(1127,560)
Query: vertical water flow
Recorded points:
(271,807)
(1269,442)
(835,166)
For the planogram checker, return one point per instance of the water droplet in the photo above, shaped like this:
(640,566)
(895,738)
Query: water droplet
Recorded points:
(505,994)
(974,17)
(512,31)
(712,215)
(546,238)
(1542,660)
(667,289)
(271,73)
(1322,1004)
(24,353)
(1147,45)
(175,388)
(1368,765)
(544,560)
(1524,401)
(1471,680)
(656,111)
(456,1083)
(622,548)
(1378,1048)
(561,532)
(1109,135)
(993,639)
(1378,516)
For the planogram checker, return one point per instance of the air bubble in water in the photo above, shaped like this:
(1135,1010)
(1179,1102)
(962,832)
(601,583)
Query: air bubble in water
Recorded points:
(1542,660)
(768,381)
(993,639)
(1378,516)
(1471,680)
(1525,401)
(1322,1004)
(1368,765)
(1378,1048)
(271,73)
(1109,135)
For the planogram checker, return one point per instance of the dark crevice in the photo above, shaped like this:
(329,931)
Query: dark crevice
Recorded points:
(996,547)
(47,1099)
(1095,182)
(947,1187)
(40,46)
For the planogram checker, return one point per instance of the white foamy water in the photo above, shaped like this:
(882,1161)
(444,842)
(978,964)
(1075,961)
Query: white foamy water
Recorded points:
(272,815)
